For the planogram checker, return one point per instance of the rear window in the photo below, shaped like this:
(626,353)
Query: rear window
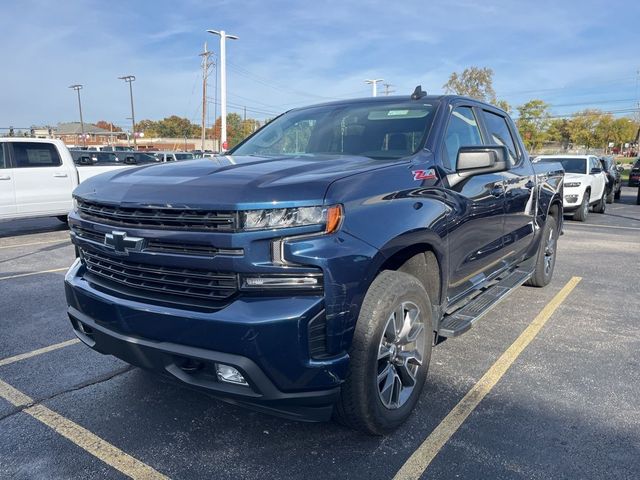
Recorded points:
(32,154)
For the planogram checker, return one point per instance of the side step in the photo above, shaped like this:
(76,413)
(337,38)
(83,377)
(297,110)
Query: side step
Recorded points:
(462,320)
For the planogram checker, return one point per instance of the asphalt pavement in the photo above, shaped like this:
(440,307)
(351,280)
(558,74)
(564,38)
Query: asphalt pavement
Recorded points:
(567,407)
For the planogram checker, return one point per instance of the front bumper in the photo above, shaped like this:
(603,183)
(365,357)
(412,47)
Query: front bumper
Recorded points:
(263,338)
(572,198)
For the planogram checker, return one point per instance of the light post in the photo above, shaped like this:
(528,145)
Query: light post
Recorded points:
(374,85)
(130,79)
(77,88)
(223,84)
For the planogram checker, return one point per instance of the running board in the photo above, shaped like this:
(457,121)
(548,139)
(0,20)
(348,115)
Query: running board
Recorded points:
(462,320)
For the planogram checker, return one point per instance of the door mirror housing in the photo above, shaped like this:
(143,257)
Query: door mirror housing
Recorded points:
(481,159)
(595,170)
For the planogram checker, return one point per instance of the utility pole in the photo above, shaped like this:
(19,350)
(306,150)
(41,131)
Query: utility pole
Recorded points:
(130,79)
(387,89)
(205,76)
(374,85)
(223,84)
(77,88)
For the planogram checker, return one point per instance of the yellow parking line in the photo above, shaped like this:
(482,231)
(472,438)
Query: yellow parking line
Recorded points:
(34,273)
(34,243)
(418,462)
(82,437)
(33,353)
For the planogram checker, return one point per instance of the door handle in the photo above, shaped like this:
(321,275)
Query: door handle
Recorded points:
(5,177)
(60,175)
(497,191)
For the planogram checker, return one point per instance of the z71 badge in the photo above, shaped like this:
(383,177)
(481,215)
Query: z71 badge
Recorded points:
(429,174)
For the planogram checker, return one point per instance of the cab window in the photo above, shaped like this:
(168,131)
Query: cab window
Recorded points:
(32,154)
(3,162)
(462,131)
(500,134)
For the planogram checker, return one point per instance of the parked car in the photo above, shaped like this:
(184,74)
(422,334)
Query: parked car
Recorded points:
(173,156)
(584,183)
(37,176)
(312,278)
(614,178)
(634,174)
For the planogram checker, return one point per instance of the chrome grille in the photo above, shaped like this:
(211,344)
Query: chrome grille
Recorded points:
(161,246)
(177,283)
(161,218)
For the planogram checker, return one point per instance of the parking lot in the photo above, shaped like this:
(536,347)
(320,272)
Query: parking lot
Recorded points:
(561,403)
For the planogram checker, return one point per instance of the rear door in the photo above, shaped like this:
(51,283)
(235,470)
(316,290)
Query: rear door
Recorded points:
(519,186)
(599,179)
(475,239)
(43,185)
(7,187)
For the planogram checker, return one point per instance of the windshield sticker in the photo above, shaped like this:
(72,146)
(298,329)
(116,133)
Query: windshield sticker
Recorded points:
(391,113)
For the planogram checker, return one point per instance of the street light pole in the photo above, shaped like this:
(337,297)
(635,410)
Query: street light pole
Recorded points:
(374,85)
(130,79)
(223,84)
(77,88)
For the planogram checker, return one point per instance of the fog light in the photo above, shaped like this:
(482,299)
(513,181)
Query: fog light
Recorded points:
(227,373)
(281,281)
(571,198)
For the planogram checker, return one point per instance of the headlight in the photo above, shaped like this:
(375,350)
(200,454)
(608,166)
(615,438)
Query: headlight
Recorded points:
(268,219)
(75,204)
(572,184)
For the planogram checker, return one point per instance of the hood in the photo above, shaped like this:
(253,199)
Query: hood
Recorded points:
(575,177)
(226,182)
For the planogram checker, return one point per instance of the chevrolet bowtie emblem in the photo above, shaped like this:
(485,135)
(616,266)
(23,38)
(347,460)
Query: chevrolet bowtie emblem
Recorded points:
(122,243)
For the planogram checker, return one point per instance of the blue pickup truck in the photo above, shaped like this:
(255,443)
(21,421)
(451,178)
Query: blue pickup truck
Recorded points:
(309,272)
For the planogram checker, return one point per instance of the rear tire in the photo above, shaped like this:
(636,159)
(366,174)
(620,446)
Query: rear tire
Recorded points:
(389,355)
(601,206)
(546,256)
(610,196)
(616,196)
(583,210)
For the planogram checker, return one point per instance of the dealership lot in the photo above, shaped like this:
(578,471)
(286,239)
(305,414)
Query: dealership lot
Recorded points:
(566,408)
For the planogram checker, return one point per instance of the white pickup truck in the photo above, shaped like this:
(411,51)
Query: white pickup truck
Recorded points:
(584,184)
(37,177)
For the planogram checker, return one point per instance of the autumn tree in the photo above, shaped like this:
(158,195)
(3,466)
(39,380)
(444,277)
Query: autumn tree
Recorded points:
(582,127)
(533,123)
(107,126)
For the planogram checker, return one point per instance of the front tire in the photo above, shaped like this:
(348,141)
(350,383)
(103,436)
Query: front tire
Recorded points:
(389,355)
(583,210)
(546,256)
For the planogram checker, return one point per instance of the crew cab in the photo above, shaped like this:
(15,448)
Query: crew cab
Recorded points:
(37,177)
(309,272)
(585,185)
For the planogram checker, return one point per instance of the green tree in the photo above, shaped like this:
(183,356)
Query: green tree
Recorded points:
(177,127)
(148,127)
(504,105)
(533,123)
(582,127)
(623,130)
(474,82)
(558,131)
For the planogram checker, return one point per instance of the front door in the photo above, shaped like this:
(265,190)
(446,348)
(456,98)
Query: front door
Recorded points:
(475,238)
(519,188)
(7,188)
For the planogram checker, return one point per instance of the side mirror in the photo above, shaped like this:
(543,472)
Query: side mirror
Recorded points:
(619,168)
(481,159)
(595,170)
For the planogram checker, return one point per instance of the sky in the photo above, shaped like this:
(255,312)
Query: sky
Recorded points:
(571,54)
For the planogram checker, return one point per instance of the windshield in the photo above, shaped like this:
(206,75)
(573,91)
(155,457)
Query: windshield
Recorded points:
(571,165)
(373,129)
(184,156)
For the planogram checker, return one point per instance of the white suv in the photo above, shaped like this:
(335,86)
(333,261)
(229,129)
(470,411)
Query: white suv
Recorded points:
(584,183)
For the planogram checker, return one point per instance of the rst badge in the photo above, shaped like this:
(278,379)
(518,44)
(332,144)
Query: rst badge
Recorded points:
(429,174)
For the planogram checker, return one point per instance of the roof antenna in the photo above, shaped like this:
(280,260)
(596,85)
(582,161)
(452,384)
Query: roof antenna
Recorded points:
(418,93)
